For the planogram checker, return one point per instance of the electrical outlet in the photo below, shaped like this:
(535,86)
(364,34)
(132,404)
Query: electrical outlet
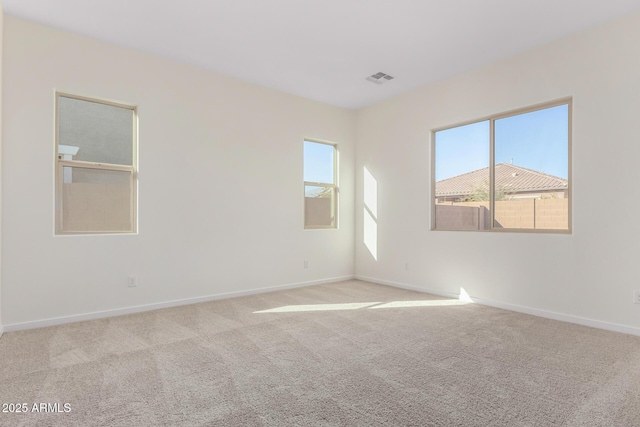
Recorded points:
(132,281)
(406,266)
(636,297)
(306,264)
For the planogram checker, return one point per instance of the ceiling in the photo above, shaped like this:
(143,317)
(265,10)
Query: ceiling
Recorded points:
(324,49)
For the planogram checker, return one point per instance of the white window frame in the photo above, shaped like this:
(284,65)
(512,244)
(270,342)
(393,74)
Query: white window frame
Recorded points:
(334,186)
(60,163)
(568,101)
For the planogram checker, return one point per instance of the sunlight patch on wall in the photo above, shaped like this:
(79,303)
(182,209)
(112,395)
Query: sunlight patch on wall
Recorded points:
(370,220)
(464,296)
(370,234)
(370,193)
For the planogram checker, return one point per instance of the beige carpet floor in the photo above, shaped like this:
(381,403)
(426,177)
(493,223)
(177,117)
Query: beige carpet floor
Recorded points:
(343,354)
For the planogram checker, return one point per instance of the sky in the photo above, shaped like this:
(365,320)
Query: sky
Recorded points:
(537,140)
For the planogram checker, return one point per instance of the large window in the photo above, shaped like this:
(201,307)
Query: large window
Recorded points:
(320,185)
(510,171)
(95,166)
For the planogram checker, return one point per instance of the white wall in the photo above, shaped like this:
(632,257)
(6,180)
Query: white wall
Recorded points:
(221,204)
(1,44)
(587,276)
(220,183)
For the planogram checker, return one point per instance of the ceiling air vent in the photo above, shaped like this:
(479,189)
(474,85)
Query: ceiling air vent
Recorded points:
(379,78)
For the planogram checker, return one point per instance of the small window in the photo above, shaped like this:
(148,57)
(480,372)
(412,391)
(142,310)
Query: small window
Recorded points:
(95,166)
(509,172)
(320,185)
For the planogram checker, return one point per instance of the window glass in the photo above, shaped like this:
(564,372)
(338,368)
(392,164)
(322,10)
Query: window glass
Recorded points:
(462,177)
(101,132)
(319,206)
(95,170)
(532,170)
(320,186)
(96,200)
(318,162)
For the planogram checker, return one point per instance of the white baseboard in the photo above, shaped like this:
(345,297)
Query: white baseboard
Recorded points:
(148,307)
(513,307)
(408,287)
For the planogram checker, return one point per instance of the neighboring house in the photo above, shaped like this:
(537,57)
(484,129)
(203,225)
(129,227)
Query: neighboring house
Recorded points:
(512,182)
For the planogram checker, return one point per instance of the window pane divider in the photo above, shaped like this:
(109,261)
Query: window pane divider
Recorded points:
(492,174)
(319,184)
(95,165)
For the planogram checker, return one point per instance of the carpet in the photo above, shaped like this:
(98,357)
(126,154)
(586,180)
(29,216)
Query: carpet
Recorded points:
(342,354)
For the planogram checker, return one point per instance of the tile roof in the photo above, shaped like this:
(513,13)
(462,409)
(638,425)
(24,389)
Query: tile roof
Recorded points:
(510,178)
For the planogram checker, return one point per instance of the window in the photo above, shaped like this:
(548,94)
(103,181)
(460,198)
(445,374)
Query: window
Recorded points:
(509,172)
(95,166)
(320,185)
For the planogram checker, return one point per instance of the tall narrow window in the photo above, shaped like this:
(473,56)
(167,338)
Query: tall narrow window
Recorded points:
(320,185)
(509,172)
(95,166)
